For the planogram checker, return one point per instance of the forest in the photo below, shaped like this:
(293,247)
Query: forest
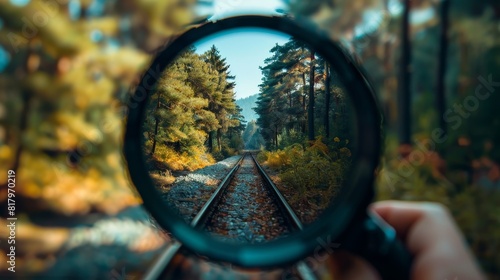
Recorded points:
(192,118)
(300,99)
(306,121)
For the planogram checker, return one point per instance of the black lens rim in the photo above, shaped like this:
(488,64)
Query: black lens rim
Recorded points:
(316,235)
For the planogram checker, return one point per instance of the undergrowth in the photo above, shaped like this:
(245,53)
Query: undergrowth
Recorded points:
(314,171)
(166,160)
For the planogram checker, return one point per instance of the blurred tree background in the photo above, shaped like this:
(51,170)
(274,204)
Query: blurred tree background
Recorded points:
(67,68)
(435,66)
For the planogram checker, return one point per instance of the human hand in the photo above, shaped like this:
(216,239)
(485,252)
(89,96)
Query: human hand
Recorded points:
(432,237)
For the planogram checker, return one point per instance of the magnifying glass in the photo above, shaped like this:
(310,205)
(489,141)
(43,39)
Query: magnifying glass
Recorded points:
(304,180)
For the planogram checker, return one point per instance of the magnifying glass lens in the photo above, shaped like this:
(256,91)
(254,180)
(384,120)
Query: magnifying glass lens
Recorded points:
(250,135)
(257,141)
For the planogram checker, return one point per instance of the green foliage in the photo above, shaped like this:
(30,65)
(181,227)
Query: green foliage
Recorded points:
(282,102)
(311,172)
(476,211)
(424,116)
(300,97)
(193,101)
(290,137)
(230,147)
(222,100)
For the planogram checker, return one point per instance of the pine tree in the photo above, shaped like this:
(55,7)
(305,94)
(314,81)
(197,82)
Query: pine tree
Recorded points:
(326,120)
(174,106)
(310,111)
(286,92)
(222,101)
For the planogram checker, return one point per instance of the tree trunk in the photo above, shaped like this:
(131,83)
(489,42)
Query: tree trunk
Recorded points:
(327,100)
(336,112)
(404,83)
(310,114)
(23,125)
(210,141)
(177,146)
(276,136)
(156,126)
(290,116)
(304,94)
(443,52)
(389,103)
(298,115)
(219,139)
(154,137)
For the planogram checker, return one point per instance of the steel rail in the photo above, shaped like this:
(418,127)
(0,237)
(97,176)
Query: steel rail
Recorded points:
(286,209)
(208,208)
(302,268)
(157,269)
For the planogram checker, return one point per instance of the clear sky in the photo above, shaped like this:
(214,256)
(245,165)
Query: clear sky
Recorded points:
(226,8)
(245,50)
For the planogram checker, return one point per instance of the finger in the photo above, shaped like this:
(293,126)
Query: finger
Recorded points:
(400,215)
(432,236)
(420,224)
(405,215)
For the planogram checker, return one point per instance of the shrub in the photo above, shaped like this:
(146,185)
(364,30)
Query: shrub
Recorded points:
(312,172)
(167,159)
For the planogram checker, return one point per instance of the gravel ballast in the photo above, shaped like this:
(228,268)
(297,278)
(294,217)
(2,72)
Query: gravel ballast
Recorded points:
(190,192)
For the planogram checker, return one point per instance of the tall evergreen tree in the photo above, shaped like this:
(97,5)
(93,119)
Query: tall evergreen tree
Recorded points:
(287,89)
(310,112)
(179,115)
(404,111)
(192,101)
(443,55)
(222,103)
(326,120)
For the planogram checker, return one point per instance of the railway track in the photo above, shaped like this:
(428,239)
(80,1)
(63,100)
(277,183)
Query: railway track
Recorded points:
(245,207)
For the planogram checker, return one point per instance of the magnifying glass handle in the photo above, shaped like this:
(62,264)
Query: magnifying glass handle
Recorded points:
(384,250)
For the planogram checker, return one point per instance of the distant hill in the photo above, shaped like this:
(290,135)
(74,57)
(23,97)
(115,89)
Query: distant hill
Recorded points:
(247,104)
